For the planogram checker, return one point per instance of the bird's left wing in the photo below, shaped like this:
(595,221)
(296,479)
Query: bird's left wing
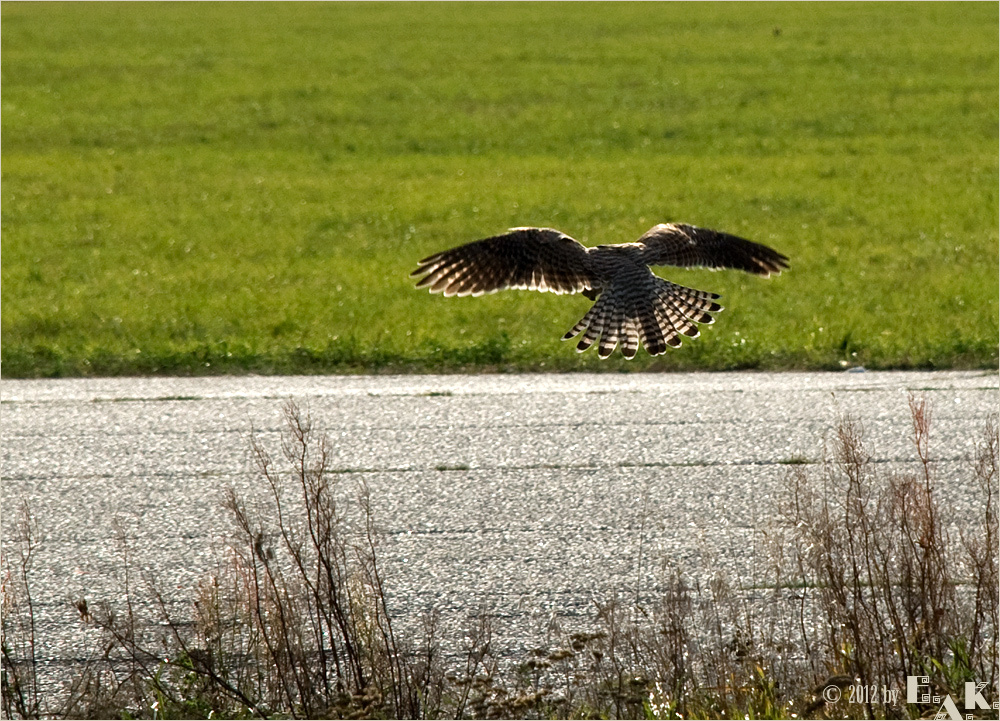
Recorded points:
(527,258)
(688,246)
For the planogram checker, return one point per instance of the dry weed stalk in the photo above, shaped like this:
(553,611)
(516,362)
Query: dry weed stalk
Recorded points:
(309,594)
(878,553)
(18,638)
(863,584)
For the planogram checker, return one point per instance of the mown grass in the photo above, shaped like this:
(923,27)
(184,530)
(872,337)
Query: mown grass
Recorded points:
(225,188)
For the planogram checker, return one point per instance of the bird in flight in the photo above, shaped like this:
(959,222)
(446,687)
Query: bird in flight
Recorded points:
(632,304)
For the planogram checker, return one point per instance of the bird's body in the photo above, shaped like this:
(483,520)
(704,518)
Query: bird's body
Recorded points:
(632,304)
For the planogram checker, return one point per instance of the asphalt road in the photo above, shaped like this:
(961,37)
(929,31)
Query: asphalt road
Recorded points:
(529,495)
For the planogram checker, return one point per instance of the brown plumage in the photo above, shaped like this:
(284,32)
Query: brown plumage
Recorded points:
(632,304)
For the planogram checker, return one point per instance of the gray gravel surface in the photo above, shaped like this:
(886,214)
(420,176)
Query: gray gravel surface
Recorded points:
(531,495)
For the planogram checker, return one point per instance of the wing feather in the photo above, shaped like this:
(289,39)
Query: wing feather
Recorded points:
(686,246)
(540,259)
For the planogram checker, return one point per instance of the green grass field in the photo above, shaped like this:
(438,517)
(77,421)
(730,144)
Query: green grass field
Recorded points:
(204,188)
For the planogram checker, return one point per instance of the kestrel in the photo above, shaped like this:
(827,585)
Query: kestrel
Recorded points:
(632,304)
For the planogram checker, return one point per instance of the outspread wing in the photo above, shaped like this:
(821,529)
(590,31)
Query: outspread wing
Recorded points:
(686,246)
(527,258)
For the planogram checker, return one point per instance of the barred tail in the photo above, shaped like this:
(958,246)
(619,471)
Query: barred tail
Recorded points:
(655,316)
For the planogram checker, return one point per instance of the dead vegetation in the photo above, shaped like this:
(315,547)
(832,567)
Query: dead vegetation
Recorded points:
(866,582)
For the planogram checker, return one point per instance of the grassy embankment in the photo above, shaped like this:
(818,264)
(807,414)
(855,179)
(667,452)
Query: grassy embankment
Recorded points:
(231,188)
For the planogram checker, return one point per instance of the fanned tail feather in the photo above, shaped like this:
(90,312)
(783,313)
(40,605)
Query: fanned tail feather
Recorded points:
(670,331)
(591,325)
(656,321)
(631,342)
(612,333)
(651,331)
(597,325)
(675,311)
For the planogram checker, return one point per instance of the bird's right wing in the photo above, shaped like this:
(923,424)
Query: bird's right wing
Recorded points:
(526,258)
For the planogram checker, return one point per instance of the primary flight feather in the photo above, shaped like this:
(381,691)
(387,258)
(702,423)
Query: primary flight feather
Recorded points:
(632,304)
